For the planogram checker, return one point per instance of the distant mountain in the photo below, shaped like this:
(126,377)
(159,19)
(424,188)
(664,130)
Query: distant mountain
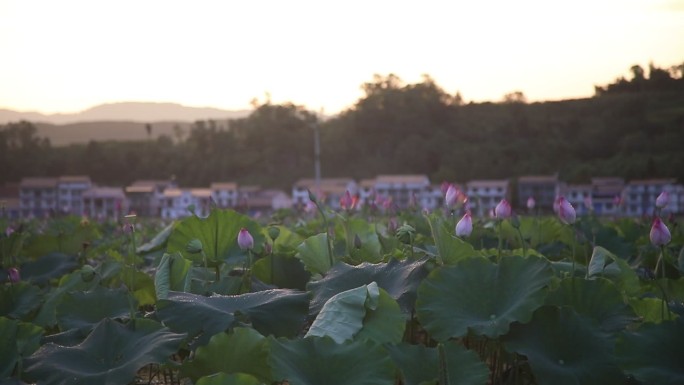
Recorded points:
(141,112)
(84,132)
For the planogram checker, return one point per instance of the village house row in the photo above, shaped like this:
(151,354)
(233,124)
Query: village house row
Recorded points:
(77,195)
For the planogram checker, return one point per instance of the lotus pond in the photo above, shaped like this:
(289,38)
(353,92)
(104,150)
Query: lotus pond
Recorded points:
(344,298)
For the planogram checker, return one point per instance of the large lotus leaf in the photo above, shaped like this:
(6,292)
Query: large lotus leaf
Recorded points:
(19,300)
(47,267)
(342,315)
(399,278)
(156,243)
(111,354)
(313,253)
(606,264)
(654,353)
(171,275)
(65,235)
(282,271)
(482,296)
(370,250)
(280,312)
(287,241)
(653,310)
(319,360)
(83,310)
(385,323)
(563,347)
(229,379)
(598,299)
(419,364)
(244,350)
(218,235)
(19,340)
(450,248)
(84,279)
(141,284)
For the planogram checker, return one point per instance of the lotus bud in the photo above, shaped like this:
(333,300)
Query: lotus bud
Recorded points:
(464,227)
(531,203)
(392,225)
(273,232)
(660,234)
(503,209)
(245,240)
(662,200)
(194,246)
(346,201)
(406,234)
(13,275)
(312,197)
(9,231)
(444,187)
(451,196)
(566,212)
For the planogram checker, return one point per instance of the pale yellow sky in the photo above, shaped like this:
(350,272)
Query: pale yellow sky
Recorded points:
(69,55)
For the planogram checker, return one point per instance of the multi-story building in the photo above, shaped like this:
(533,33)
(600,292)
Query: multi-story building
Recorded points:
(544,189)
(37,197)
(70,191)
(180,203)
(579,196)
(607,195)
(9,201)
(328,190)
(640,196)
(145,196)
(484,195)
(403,189)
(105,202)
(225,194)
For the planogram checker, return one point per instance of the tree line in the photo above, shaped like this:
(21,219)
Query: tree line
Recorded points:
(632,128)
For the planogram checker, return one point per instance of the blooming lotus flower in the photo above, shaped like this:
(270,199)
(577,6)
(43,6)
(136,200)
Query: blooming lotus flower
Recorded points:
(566,212)
(245,240)
(451,196)
(662,200)
(531,203)
(503,209)
(660,234)
(346,201)
(13,275)
(464,227)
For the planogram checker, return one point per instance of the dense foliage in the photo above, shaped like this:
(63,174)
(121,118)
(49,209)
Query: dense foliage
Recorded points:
(342,298)
(631,128)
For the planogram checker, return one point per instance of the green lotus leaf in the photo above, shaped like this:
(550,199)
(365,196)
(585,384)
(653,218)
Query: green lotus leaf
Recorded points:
(280,312)
(19,300)
(399,278)
(48,267)
(370,250)
(342,315)
(171,275)
(313,253)
(229,379)
(482,296)
(563,347)
(218,235)
(158,242)
(84,310)
(651,309)
(654,353)
(288,272)
(141,284)
(19,340)
(64,235)
(111,354)
(606,264)
(384,324)
(243,350)
(287,241)
(319,360)
(450,248)
(419,364)
(598,299)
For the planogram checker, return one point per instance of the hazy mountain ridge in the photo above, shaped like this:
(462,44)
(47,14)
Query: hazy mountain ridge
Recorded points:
(141,112)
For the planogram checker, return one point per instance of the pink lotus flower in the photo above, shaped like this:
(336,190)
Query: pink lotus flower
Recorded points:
(566,212)
(451,196)
(662,200)
(660,234)
(346,201)
(464,227)
(531,203)
(503,209)
(444,187)
(245,240)
(13,275)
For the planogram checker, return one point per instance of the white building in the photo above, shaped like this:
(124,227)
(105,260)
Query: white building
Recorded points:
(404,188)
(70,191)
(579,195)
(180,203)
(328,192)
(105,202)
(37,197)
(484,195)
(607,195)
(225,194)
(145,196)
(640,196)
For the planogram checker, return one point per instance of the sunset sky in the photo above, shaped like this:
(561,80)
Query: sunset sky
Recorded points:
(69,55)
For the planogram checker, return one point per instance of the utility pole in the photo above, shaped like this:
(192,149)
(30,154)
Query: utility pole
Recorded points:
(317,154)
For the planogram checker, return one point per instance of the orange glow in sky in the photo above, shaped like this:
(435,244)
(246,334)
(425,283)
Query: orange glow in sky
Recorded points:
(68,55)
